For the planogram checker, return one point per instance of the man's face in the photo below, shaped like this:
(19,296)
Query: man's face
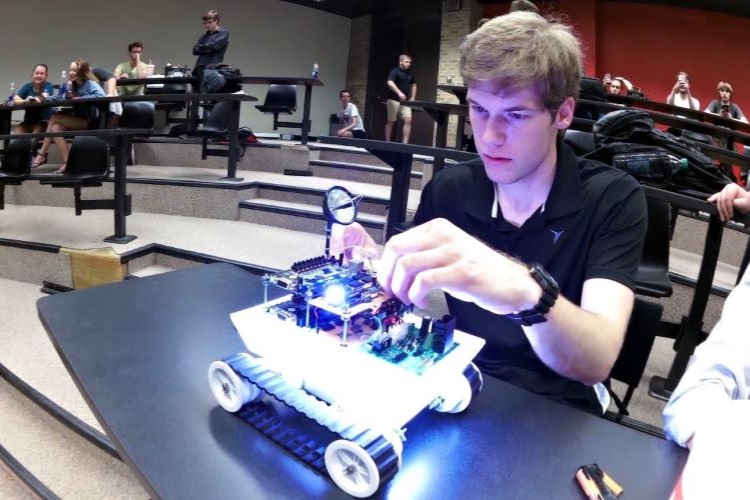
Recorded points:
(405,64)
(615,87)
(211,24)
(135,52)
(514,134)
(725,95)
(345,98)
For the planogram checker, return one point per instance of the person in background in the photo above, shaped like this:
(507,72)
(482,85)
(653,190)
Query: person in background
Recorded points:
(618,83)
(83,84)
(536,249)
(402,87)
(38,89)
(350,121)
(210,49)
(212,45)
(680,95)
(724,106)
(132,68)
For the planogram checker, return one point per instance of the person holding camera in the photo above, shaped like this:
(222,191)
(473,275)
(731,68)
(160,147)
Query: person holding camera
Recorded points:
(680,95)
(724,106)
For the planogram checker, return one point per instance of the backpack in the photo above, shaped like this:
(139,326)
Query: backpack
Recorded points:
(591,90)
(631,131)
(247,136)
(217,76)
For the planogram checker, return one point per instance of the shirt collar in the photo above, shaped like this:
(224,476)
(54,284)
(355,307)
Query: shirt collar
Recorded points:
(565,197)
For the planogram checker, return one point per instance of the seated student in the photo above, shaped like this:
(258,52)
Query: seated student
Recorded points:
(710,408)
(35,120)
(82,85)
(723,105)
(132,68)
(350,122)
(536,249)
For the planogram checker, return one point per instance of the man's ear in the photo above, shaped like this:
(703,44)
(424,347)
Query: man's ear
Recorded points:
(564,116)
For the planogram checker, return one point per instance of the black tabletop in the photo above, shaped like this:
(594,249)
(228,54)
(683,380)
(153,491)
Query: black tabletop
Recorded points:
(139,351)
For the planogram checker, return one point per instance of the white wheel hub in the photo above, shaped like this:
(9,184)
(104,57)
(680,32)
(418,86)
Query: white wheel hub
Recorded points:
(230,390)
(352,468)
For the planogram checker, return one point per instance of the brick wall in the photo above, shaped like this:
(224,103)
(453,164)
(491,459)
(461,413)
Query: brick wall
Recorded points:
(359,62)
(455,26)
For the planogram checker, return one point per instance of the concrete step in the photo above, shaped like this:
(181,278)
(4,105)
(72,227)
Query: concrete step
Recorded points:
(259,158)
(301,217)
(377,205)
(358,156)
(372,174)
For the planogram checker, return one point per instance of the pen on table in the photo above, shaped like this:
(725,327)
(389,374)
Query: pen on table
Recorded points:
(589,488)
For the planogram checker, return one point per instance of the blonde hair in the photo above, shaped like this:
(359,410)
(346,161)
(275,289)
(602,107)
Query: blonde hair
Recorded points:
(521,50)
(725,86)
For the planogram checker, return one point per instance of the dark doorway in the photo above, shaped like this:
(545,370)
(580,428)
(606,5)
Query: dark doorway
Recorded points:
(416,33)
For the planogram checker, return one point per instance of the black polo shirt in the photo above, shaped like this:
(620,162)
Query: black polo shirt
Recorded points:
(591,226)
(403,80)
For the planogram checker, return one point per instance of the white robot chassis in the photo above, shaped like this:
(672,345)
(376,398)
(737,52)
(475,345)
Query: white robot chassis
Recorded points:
(302,350)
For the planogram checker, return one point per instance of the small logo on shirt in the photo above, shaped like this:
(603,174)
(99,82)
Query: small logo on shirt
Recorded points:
(556,235)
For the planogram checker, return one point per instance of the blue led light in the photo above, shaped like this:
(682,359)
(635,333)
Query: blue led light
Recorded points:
(335,295)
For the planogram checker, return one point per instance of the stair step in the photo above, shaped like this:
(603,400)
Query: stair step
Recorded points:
(152,270)
(301,216)
(373,174)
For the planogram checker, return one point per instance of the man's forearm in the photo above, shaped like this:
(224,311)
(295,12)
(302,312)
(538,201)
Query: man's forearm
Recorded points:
(578,344)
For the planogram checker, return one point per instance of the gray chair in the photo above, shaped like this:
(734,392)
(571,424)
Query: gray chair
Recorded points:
(87,166)
(281,99)
(16,165)
(636,349)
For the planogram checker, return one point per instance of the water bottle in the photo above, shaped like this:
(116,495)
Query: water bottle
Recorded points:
(316,71)
(63,83)
(12,93)
(649,165)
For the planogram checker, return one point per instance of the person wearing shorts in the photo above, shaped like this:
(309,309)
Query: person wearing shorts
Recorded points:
(401,88)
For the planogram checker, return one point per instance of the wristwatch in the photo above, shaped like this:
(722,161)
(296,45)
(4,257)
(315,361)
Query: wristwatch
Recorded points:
(550,292)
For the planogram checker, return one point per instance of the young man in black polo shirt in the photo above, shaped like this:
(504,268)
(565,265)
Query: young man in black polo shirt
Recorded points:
(402,87)
(500,233)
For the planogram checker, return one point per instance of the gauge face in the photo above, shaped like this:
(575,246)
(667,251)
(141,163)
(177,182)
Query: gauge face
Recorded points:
(340,205)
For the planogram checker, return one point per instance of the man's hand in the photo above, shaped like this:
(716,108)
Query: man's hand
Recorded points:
(676,88)
(352,241)
(729,199)
(402,97)
(123,76)
(438,255)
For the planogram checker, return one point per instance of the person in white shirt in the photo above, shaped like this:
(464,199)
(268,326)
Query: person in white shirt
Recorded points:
(350,121)
(719,373)
(680,95)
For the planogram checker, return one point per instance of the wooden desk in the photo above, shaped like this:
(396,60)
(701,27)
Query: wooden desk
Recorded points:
(139,352)
(102,104)
(441,112)
(457,90)
(307,82)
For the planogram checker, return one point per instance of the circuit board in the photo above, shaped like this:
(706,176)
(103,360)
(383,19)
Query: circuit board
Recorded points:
(345,304)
